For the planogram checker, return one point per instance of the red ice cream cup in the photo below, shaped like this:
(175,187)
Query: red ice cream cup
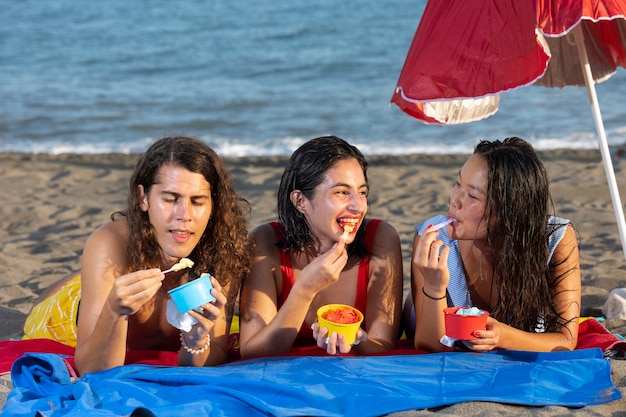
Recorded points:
(461,326)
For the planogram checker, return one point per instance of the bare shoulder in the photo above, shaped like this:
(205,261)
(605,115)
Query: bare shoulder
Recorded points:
(264,239)
(571,237)
(386,240)
(385,232)
(115,231)
(567,246)
(106,245)
(565,260)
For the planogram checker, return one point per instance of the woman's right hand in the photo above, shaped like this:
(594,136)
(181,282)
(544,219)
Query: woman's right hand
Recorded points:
(430,259)
(324,270)
(133,290)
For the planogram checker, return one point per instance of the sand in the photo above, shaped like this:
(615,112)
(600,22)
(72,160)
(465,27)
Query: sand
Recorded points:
(51,203)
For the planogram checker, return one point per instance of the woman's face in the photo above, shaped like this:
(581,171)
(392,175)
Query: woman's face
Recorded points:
(340,200)
(467,201)
(179,206)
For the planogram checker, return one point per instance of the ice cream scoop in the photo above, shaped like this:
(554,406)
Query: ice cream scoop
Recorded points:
(182,264)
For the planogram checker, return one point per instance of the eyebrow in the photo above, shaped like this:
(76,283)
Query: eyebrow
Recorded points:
(175,194)
(343,184)
(473,187)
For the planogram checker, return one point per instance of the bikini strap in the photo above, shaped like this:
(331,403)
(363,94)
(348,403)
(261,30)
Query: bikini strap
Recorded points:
(285,265)
(360,301)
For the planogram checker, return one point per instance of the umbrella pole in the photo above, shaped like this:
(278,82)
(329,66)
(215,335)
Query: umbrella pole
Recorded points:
(604,147)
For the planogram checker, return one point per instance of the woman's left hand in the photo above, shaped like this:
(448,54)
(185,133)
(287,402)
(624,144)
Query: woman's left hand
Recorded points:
(488,339)
(335,343)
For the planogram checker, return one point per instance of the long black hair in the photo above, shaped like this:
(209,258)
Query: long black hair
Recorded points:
(518,207)
(304,171)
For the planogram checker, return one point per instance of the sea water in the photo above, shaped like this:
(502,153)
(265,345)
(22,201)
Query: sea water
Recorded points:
(250,77)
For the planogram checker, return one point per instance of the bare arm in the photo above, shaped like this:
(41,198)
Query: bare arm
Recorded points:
(384,293)
(430,272)
(265,330)
(567,298)
(108,298)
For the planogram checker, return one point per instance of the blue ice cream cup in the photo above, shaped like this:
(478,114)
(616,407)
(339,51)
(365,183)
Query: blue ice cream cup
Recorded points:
(193,294)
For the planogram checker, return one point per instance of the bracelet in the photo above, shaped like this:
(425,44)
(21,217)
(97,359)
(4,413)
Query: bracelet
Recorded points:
(195,351)
(433,298)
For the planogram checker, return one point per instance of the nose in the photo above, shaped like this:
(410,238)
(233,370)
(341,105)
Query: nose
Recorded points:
(183,210)
(358,203)
(455,199)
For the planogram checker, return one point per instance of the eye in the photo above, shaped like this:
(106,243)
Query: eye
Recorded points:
(200,201)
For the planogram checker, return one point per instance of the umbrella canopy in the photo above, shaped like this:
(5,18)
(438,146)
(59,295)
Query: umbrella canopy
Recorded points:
(465,52)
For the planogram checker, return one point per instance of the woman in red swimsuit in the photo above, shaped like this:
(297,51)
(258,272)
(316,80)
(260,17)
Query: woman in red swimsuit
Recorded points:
(303,262)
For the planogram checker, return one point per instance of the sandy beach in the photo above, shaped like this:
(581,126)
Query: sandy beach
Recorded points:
(51,203)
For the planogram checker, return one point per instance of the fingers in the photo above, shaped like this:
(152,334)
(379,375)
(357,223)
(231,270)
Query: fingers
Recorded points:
(335,343)
(205,311)
(220,298)
(361,336)
(133,290)
(338,257)
(213,309)
(484,342)
(324,270)
(337,253)
(430,260)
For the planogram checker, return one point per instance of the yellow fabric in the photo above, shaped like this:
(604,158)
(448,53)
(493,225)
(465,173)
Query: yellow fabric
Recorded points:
(55,317)
(234,325)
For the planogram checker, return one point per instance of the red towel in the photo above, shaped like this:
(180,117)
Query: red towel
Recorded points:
(591,334)
(10,350)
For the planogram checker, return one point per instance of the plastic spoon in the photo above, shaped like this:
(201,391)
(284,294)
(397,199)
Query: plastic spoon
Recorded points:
(443,224)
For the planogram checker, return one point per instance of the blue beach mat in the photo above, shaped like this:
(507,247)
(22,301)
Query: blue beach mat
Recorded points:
(320,386)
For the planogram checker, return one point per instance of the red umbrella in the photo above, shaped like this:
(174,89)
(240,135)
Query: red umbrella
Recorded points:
(465,52)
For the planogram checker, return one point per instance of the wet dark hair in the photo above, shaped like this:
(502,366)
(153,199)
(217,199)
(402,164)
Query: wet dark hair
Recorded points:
(517,209)
(305,170)
(223,249)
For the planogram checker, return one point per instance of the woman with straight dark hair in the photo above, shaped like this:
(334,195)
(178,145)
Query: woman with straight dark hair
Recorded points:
(503,252)
(323,250)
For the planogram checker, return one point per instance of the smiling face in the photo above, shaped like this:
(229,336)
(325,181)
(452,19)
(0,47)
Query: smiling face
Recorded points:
(467,201)
(339,200)
(179,207)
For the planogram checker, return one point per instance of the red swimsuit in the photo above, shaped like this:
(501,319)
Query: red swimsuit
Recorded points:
(305,335)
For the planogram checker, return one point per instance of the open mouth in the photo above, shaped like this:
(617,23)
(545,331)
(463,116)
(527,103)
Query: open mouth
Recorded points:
(348,225)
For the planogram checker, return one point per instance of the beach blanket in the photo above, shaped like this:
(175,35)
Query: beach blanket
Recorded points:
(44,379)
(591,334)
(320,386)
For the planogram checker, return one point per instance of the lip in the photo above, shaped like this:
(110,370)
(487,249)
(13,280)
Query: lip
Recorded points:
(355,225)
(181,236)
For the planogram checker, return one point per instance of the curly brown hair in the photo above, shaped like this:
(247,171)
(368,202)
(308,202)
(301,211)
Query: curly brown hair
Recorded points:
(224,248)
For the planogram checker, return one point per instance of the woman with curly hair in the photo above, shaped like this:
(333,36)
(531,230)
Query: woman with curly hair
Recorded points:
(181,204)
(503,252)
